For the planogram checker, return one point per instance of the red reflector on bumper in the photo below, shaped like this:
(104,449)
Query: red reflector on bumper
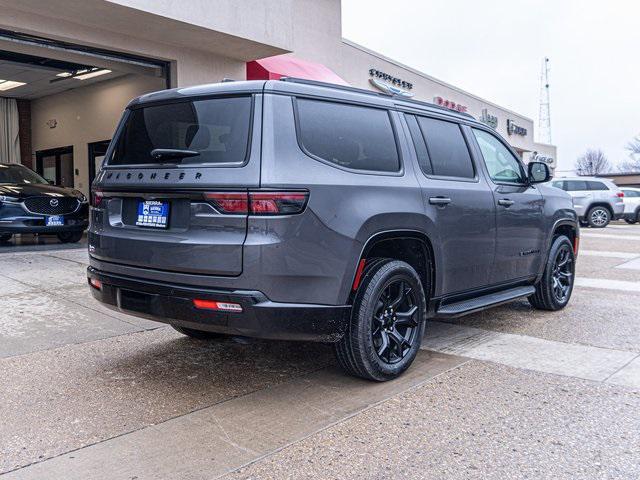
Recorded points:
(215,305)
(95,283)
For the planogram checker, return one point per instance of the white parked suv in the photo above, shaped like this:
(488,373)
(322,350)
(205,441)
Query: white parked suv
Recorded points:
(631,204)
(597,201)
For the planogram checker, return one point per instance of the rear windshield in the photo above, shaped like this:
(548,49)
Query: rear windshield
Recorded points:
(211,131)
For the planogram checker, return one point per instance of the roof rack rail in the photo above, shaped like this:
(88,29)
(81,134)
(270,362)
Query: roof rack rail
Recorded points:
(348,88)
(369,92)
(436,106)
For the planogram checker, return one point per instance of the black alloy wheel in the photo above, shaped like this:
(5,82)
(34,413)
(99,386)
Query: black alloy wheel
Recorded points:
(554,290)
(387,321)
(562,273)
(395,323)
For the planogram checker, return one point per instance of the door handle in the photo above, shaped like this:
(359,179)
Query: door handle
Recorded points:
(439,201)
(505,202)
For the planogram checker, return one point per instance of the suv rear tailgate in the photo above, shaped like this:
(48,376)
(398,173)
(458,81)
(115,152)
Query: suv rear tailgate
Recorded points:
(156,215)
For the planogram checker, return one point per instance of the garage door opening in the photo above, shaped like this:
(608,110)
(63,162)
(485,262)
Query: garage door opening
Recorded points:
(59,107)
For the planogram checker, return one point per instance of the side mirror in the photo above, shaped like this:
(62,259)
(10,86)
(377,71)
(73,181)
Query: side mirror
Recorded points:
(538,172)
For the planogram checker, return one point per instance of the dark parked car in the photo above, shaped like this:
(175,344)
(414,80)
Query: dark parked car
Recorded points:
(304,211)
(29,204)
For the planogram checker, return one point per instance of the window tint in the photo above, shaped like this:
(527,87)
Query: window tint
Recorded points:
(502,165)
(447,149)
(576,185)
(20,175)
(347,135)
(597,186)
(217,129)
(421,146)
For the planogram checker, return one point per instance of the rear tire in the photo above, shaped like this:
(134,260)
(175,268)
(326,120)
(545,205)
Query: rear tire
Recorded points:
(69,237)
(634,219)
(554,290)
(5,237)
(598,217)
(199,334)
(387,322)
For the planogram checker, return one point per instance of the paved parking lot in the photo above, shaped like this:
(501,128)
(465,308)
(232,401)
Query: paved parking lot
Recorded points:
(507,393)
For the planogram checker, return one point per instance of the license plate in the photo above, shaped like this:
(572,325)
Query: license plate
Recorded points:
(54,221)
(153,213)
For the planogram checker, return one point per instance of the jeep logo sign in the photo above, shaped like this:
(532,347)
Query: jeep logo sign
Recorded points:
(489,119)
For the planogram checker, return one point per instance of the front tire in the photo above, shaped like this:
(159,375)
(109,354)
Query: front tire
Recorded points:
(598,217)
(554,289)
(69,237)
(387,322)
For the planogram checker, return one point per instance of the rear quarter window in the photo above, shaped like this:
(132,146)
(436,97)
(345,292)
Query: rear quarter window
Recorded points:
(349,136)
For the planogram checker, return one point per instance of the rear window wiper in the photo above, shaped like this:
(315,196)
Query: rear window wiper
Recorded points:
(172,153)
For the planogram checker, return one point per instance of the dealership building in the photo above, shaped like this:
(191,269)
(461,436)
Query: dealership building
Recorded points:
(69,67)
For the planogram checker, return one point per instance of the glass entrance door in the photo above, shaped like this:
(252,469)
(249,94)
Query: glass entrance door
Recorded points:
(56,165)
(97,151)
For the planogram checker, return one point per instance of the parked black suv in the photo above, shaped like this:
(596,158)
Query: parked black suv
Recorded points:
(305,211)
(29,204)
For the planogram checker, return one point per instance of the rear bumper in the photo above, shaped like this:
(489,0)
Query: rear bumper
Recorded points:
(260,317)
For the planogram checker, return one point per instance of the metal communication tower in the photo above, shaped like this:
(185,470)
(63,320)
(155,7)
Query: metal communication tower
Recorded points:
(544,117)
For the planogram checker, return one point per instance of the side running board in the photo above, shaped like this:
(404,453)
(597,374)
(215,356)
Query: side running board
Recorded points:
(472,305)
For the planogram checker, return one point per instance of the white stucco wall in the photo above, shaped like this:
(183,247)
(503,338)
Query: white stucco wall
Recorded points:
(85,115)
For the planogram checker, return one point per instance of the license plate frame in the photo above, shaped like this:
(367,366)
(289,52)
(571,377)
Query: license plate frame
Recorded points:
(153,214)
(54,221)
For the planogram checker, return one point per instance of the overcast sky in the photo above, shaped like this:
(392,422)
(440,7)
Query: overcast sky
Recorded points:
(494,49)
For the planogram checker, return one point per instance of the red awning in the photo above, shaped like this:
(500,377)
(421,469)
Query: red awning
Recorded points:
(274,68)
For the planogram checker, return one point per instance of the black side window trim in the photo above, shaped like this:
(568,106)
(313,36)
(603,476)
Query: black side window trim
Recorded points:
(431,175)
(394,129)
(523,170)
(112,145)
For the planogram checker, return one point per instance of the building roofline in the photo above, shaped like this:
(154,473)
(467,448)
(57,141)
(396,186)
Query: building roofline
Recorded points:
(620,174)
(429,77)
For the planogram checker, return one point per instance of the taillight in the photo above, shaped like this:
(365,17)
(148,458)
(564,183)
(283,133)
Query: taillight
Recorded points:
(202,304)
(229,202)
(620,194)
(258,202)
(277,203)
(97,197)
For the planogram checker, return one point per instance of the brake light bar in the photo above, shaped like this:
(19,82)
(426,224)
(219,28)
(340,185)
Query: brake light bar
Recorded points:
(215,305)
(258,202)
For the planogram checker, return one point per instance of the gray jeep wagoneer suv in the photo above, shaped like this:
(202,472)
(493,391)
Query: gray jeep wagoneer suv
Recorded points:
(305,211)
